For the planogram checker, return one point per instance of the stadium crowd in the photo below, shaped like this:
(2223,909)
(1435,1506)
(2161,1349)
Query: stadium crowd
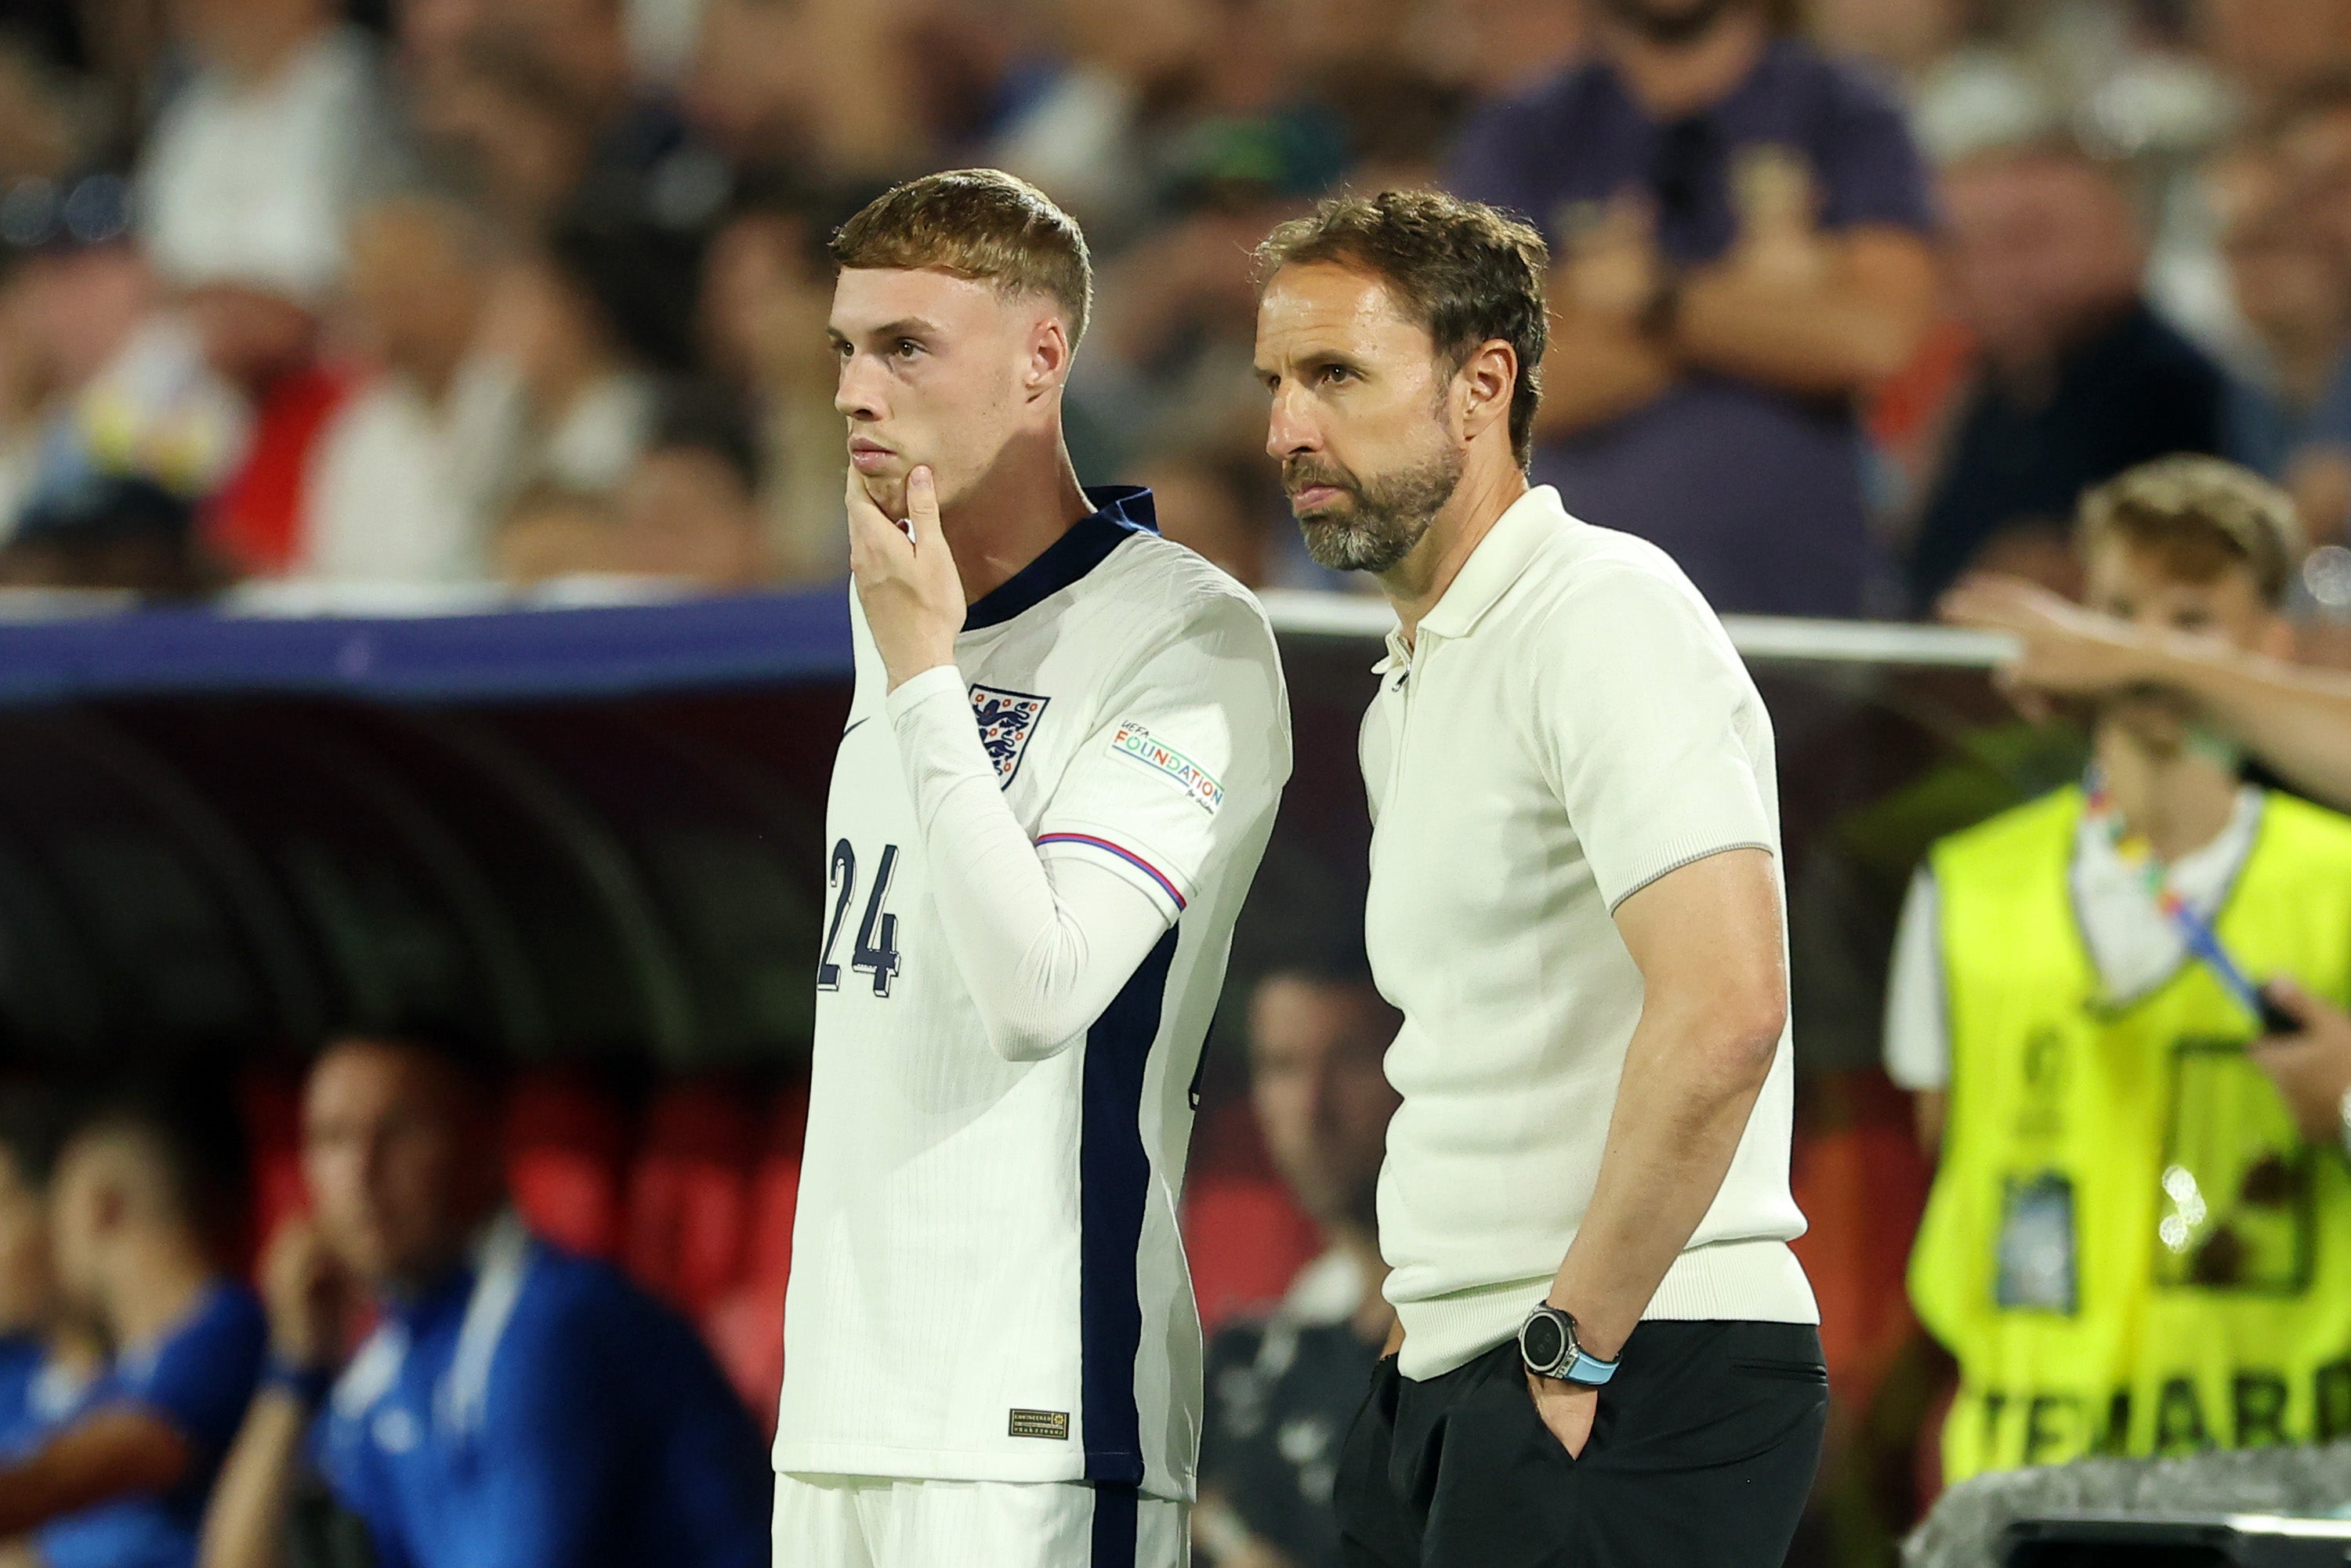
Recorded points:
(370,299)
(374,304)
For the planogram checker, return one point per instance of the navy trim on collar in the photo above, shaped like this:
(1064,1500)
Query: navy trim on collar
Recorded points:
(1120,510)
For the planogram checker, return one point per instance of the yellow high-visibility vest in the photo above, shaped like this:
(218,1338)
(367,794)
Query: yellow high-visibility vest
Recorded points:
(2129,1247)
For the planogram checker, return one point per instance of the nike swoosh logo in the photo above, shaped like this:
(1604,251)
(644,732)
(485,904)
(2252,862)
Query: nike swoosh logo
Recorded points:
(844,733)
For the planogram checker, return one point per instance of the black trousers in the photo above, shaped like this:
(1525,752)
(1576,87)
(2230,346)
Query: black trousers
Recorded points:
(1701,1457)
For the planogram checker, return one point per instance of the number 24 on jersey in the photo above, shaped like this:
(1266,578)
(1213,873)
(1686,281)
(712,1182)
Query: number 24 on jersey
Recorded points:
(875,950)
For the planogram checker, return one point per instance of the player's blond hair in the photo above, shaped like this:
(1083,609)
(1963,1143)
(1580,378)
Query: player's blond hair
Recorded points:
(977,223)
(2200,517)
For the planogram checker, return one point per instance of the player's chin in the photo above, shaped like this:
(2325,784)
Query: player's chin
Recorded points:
(887,491)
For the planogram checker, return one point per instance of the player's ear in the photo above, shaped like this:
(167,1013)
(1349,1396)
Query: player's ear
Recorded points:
(1485,384)
(1048,353)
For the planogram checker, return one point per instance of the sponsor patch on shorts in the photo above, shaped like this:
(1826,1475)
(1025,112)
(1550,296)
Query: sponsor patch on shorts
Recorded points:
(1132,741)
(1054,1424)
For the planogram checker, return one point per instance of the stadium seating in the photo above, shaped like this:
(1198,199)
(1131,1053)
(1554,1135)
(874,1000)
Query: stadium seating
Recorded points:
(565,1140)
(745,1325)
(1243,1234)
(688,1199)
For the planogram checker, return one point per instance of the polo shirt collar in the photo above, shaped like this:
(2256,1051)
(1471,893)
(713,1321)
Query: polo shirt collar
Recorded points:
(1120,512)
(1504,553)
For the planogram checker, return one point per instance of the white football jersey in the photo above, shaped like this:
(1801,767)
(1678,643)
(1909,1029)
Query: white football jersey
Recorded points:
(988,1281)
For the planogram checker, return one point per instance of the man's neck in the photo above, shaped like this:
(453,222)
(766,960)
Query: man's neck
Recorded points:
(456,1250)
(1013,515)
(1671,80)
(1418,581)
(160,1282)
(2179,802)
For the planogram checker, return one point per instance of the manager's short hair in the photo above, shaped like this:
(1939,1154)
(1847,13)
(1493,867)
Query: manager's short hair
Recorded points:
(1469,273)
(977,223)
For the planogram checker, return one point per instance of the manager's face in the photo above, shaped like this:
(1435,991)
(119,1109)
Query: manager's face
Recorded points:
(931,371)
(1360,419)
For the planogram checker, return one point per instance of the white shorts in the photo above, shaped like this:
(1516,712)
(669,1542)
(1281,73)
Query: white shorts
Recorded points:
(879,1522)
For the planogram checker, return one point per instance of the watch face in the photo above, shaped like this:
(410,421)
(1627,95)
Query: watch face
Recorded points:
(1543,1341)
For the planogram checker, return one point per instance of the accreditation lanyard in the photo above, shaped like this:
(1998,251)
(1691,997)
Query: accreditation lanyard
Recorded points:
(2203,942)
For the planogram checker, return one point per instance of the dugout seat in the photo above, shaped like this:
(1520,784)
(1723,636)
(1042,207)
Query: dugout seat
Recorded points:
(1244,1235)
(686,1220)
(565,1140)
(270,1105)
(1246,1239)
(744,1327)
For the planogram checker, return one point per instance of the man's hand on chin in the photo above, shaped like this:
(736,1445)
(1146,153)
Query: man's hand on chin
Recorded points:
(906,579)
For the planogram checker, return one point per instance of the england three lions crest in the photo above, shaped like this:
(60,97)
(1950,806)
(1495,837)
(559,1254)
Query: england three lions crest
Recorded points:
(1006,720)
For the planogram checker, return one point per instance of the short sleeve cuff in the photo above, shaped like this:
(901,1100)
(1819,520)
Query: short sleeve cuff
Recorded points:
(1670,859)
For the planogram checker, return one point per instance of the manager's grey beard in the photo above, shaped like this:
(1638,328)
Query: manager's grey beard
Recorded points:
(1390,514)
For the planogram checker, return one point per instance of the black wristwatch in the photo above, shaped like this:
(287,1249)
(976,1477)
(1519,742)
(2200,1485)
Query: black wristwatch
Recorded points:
(1546,1344)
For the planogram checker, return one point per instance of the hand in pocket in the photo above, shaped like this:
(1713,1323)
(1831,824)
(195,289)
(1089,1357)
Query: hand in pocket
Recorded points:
(1566,1409)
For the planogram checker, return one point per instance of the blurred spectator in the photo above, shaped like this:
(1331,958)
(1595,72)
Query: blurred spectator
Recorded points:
(689,510)
(1283,1393)
(1739,231)
(1080,136)
(408,470)
(767,293)
(2078,380)
(246,191)
(144,1194)
(2134,1245)
(510,123)
(254,169)
(549,532)
(2292,287)
(515,1403)
(111,533)
(836,88)
(47,1358)
(243,194)
(2308,231)
(585,325)
(742,87)
(73,292)
(2272,49)
(1211,504)
(1498,48)
(33,1324)
(2291,717)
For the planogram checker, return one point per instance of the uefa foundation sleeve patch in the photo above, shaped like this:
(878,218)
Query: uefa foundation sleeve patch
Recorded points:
(1137,744)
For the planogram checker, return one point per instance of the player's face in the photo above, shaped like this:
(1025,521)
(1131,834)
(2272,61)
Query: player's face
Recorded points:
(2133,583)
(398,1167)
(1323,1097)
(1360,420)
(930,373)
(26,1287)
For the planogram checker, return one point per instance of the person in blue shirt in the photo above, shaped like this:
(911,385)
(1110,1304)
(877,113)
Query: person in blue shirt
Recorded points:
(32,1125)
(517,1406)
(112,1470)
